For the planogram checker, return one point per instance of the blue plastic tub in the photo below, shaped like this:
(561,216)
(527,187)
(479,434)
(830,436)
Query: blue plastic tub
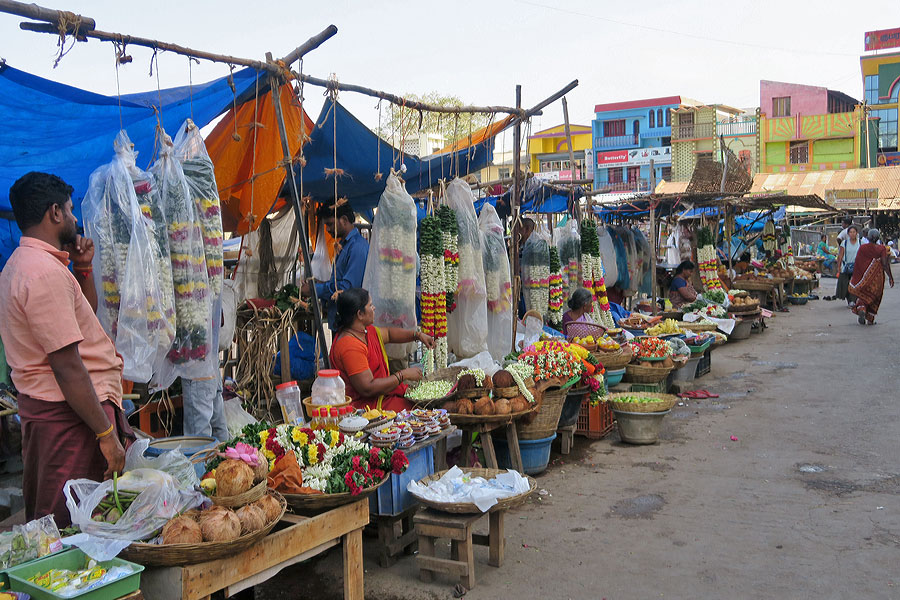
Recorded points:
(614,378)
(190,445)
(392,498)
(535,454)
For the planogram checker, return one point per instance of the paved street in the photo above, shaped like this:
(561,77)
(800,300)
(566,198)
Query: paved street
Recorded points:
(806,504)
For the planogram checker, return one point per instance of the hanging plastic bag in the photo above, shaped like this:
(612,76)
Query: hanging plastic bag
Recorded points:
(198,170)
(173,462)
(497,283)
(536,271)
(131,304)
(194,352)
(390,275)
(229,314)
(159,498)
(568,244)
(320,263)
(236,418)
(466,333)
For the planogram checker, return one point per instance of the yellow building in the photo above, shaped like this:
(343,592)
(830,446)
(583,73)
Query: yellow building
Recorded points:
(881,78)
(549,153)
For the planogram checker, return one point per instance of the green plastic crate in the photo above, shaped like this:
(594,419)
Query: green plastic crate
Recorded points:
(73,560)
(650,388)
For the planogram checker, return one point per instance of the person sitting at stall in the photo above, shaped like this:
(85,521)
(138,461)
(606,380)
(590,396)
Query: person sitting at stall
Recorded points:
(682,291)
(580,304)
(358,353)
(823,251)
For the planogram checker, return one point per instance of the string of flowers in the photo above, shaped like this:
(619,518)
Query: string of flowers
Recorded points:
(450,245)
(768,237)
(570,257)
(593,273)
(556,290)
(434,294)
(521,371)
(536,274)
(161,313)
(708,261)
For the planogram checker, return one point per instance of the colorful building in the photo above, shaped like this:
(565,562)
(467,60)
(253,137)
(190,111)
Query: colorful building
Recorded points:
(549,153)
(696,130)
(627,136)
(811,128)
(881,80)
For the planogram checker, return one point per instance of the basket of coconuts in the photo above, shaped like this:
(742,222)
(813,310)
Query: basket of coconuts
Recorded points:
(485,399)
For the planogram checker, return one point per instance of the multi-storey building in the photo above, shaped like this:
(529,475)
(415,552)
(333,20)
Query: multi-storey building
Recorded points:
(696,130)
(549,153)
(881,81)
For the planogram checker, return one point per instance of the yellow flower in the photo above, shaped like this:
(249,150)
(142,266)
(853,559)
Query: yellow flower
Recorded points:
(312,454)
(302,439)
(269,454)
(263,436)
(298,436)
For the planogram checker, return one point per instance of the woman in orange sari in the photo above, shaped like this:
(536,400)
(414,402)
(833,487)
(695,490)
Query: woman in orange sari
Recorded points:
(358,353)
(867,284)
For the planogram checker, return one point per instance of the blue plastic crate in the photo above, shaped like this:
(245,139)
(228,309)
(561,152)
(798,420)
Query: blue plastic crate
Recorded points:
(392,498)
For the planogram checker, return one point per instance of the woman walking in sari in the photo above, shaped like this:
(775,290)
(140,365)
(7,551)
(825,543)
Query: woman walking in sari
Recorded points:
(867,283)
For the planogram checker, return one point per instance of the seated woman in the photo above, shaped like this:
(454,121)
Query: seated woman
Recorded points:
(580,303)
(822,251)
(358,353)
(682,291)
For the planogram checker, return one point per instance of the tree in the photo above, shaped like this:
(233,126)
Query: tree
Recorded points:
(403,123)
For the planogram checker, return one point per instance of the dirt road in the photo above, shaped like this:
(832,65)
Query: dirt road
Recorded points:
(805,504)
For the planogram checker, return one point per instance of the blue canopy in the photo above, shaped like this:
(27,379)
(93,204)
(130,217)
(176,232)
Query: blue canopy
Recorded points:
(56,128)
(361,154)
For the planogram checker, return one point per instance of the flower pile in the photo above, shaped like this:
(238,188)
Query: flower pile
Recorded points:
(595,385)
(651,347)
(709,262)
(536,274)
(450,244)
(555,359)
(592,273)
(434,293)
(557,293)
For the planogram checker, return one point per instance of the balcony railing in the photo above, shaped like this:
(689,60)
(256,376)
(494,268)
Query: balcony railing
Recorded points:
(619,141)
(657,132)
(635,185)
(692,132)
(734,128)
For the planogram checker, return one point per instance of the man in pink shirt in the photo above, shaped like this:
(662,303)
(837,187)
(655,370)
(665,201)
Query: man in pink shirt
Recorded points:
(63,364)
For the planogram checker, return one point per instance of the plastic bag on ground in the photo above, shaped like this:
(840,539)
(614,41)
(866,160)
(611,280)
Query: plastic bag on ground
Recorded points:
(390,275)
(126,262)
(159,499)
(173,462)
(497,283)
(466,331)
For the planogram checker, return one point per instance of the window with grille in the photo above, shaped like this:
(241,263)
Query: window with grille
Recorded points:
(799,152)
(614,128)
(634,173)
(872,89)
(659,117)
(704,156)
(651,116)
(781,106)
(667,173)
(615,175)
(668,118)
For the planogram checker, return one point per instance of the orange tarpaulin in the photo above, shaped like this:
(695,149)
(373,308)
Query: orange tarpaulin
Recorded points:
(250,171)
(477,137)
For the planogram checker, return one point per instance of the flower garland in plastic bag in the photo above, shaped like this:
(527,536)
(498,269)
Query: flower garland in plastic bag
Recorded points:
(557,294)
(593,274)
(434,294)
(768,237)
(569,245)
(536,274)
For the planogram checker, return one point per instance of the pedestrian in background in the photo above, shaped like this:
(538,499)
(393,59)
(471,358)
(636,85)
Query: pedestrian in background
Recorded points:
(846,257)
(867,283)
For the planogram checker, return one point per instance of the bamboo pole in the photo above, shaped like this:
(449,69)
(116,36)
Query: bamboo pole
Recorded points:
(70,21)
(575,205)
(653,236)
(298,213)
(514,212)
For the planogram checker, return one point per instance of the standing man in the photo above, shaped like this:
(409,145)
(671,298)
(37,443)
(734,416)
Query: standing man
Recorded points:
(350,262)
(846,222)
(64,366)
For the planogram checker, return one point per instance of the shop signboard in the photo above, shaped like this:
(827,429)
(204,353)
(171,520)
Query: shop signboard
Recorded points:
(883,38)
(660,155)
(852,199)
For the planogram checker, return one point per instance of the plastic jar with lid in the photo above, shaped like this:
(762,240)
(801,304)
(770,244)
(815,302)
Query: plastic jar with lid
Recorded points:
(288,396)
(328,388)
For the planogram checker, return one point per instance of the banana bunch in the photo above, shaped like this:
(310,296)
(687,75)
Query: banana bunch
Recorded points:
(669,326)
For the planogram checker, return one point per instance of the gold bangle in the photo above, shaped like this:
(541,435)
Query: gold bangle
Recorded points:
(105,433)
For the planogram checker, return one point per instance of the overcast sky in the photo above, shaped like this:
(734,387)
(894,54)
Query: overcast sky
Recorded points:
(479,50)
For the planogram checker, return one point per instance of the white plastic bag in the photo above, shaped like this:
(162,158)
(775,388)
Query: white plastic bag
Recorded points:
(229,314)
(390,275)
(536,271)
(482,360)
(608,256)
(126,267)
(497,283)
(173,462)
(320,263)
(466,331)
(568,244)
(159,499)
(236,418)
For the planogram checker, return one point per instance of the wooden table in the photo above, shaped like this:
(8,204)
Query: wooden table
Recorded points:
(294,540)
(487,443)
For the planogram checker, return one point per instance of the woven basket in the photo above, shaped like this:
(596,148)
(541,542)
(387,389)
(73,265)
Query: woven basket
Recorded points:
(580,329)
(462,420)
(309,406)
(308,503)
(468,507)
(512,391)
(755,286)
(642,374)
(744,308)
(251,495)
(666,401)
(473,393)
(613,360)
(547,418)
(698,327)
(176,555)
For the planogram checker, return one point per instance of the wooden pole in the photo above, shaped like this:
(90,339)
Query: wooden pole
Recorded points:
(48,15)
(653,237)
(576,205)
(514,212)
(298,213)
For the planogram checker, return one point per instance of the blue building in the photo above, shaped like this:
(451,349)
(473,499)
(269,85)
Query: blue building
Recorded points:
(627,136)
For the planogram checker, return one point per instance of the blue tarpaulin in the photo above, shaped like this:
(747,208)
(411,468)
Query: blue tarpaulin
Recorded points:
(56,128)
(361,154)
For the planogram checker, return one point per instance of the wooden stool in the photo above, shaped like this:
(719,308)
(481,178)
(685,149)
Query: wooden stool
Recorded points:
(396,535)
(566,438)
(432,525)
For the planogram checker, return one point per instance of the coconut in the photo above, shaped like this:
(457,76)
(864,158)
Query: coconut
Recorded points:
(193,514)
(668,362)
(466,382)
(487,383)
(270,506)
(503,379)
(464,406)
(181,530)
(261,470)
(518,404)
(233,477)
(484,406)
(221,526)
(252,518)
(502,407)
(450,406)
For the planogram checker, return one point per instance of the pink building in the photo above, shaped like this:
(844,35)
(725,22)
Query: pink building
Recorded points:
(780,99)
